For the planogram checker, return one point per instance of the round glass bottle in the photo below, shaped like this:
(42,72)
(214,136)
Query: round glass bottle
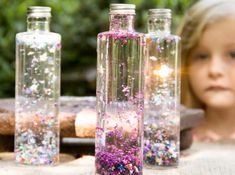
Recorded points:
(119,95)
(162,92)
(37,90)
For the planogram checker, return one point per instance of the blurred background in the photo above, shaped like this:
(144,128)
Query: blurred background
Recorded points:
(79,22)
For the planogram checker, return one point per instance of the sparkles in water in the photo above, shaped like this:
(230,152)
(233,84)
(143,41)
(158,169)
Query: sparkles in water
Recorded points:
(37,92)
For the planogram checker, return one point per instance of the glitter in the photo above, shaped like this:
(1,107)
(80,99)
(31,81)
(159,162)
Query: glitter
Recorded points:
(43,57)
(31,141)
(101,70)
(121,155)
(30,53)
(153,58)
(42,82)
(159,149)
(34,148)
(52,49)
(47,91)
(50,60)
(58,46)
(34,88)
(28,91)
(54,78)
(46,71)
(159,49)
(125,90)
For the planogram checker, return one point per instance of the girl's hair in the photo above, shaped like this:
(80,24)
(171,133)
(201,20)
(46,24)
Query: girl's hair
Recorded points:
(196,20)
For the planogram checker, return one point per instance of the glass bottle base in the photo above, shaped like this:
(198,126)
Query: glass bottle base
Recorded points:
(161,167)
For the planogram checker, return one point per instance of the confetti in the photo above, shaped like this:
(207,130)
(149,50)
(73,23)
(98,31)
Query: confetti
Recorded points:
(36,145)
(161,145)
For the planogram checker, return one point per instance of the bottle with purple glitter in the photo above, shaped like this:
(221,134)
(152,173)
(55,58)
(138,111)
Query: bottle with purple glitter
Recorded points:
(37,90)
(120,97)
(162,92)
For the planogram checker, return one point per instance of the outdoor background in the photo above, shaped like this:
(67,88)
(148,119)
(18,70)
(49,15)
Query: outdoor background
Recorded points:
(79,22)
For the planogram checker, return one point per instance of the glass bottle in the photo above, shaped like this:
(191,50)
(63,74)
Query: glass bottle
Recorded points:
(162,92)
(120,95)
(37,90)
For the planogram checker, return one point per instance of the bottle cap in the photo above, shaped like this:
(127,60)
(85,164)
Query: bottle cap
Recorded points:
(164,13)
(39,11)
(122,9)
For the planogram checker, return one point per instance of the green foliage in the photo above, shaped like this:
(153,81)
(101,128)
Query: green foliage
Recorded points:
(79,22)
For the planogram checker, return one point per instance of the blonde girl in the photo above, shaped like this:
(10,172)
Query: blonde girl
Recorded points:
(208,66)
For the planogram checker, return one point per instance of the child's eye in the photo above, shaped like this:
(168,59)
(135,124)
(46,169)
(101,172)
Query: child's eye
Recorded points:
(201,56)
(231,54)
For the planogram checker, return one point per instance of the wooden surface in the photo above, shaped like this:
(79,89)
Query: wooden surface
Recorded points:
(76,107)
(78,117)
(201,159)
(69,108)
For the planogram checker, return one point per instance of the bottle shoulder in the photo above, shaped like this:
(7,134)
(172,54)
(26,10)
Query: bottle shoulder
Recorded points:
(38,36)
(120,34)
(171,37)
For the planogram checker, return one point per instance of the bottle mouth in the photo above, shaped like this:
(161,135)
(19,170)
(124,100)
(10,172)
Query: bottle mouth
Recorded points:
(39,11)
(164,13)
(122,9)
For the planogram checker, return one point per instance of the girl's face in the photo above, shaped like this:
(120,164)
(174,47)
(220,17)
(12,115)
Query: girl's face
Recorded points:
(212,65)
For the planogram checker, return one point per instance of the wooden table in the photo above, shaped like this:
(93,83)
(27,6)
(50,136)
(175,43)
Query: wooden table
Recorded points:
(201,159)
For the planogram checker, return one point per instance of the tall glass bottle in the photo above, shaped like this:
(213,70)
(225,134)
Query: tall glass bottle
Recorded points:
(120,95)
(162,92)
(37,90)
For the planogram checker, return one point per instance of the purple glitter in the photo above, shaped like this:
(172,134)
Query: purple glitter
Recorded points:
(121,154)
(120,36)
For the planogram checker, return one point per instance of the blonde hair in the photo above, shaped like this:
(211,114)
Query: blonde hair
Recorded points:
(196,20)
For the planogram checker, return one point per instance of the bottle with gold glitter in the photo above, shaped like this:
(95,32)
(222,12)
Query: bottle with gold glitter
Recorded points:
(162,92)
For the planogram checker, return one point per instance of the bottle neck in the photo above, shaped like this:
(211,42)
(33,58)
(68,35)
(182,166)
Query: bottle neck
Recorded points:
(159,25)
(38,24)
(121,22)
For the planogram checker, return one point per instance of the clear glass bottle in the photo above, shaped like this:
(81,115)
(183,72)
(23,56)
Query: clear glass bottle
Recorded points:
(119,95)
(162,92)
(37,90)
